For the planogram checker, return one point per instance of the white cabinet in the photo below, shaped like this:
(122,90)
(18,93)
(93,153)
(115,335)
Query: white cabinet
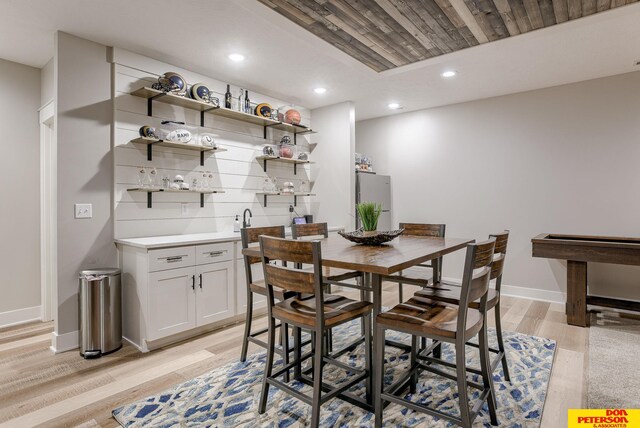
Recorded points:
(215,299)
(172,302)
(169,293)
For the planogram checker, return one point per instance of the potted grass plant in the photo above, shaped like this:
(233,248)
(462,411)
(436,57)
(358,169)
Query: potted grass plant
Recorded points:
(369,213)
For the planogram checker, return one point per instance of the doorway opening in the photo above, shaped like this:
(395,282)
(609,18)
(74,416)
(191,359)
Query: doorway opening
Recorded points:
(48,212)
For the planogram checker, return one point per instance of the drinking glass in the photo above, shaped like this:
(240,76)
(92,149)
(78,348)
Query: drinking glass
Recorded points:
(154,179)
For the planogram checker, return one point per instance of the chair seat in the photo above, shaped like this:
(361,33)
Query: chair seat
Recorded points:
(426,317)
(302,311)
(451,294)
(259,287)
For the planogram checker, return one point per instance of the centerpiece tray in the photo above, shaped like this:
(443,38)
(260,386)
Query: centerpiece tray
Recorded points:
(367,238)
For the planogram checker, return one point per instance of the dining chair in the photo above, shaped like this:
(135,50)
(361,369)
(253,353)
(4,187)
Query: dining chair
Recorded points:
(330,275)
(250,236)
(313,311)
(442,322)
(451,294)
(416,274)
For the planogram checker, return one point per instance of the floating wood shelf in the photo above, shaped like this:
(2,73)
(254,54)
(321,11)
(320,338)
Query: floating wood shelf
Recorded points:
(168,98)
(295,162)
(150,142)
(150,192)
(295,196)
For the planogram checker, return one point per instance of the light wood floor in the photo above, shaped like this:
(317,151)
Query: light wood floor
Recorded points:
(38,388)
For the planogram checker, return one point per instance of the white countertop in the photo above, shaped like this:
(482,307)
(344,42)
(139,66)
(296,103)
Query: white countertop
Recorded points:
(149,242)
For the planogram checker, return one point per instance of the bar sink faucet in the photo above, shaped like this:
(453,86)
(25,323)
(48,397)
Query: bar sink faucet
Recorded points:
(246,223)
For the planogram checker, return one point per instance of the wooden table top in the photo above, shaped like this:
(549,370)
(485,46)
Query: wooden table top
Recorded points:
(401,253)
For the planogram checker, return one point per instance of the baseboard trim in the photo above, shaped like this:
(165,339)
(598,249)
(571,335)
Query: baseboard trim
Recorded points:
(525,292)
(65,342)
(20,316)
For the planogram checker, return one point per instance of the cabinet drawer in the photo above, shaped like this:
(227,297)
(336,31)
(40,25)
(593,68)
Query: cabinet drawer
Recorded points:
(171,258)
(213,253)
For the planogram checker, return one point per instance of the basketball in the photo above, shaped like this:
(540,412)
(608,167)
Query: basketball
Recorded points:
(292,116)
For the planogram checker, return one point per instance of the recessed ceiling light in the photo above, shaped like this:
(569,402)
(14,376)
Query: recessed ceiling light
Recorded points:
(320,91)
(236,57)
(394,106)
(449,73)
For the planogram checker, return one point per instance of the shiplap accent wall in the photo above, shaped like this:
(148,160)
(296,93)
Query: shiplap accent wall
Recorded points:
(236,171)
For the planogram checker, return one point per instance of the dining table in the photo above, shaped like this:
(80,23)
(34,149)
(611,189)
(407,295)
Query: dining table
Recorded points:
(378,261)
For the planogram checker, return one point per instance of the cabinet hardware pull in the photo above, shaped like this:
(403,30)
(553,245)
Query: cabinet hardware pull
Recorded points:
(174,259)
(200,281)
(193,282)
(216,253)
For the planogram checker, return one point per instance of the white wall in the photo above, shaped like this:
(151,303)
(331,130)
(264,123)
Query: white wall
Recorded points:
(235,171)
(561,160)
(84,112)
(20,194)
(334,174)
(47,82)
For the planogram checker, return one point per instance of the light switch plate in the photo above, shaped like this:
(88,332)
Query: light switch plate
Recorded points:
(83,211)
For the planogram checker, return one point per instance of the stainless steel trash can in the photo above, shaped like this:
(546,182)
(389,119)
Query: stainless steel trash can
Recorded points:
(100,312)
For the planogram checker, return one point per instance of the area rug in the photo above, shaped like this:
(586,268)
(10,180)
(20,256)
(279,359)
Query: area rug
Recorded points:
(228,396)
(614,376)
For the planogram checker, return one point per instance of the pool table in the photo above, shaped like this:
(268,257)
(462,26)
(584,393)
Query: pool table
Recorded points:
(578,250)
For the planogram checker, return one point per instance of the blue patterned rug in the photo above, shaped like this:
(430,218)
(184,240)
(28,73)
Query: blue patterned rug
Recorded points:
(228,396)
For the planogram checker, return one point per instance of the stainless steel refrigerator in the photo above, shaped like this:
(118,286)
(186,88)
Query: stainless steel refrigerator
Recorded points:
(375,188)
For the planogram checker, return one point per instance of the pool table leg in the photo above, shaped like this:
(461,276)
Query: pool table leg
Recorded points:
(576,293)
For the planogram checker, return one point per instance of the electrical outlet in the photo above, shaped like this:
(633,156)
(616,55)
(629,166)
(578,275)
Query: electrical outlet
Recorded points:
(184,207)
(83,211)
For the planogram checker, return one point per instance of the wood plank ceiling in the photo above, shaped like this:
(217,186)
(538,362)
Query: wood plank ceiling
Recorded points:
(385,34)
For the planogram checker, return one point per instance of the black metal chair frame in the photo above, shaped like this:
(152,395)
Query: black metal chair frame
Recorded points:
(322,390)
(501,354)
(250,336)
(394,392)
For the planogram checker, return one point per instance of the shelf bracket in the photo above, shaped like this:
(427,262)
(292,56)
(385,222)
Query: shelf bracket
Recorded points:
(264,165)
(295,139)
(264,200)
(267,126)
(295,201)
(201,200)
(149,152)
(204,111)
(150,103)
(295,169)
(201,158)
(149,199)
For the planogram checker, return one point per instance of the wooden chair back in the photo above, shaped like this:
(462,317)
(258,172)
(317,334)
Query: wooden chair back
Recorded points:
(499,253)
(250,235)
(310,229)
(476,277)
(292,252)
(423,229)
(426,229)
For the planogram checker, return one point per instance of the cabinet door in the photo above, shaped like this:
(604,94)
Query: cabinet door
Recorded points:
(241,287)
(215,297)
(172,302)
